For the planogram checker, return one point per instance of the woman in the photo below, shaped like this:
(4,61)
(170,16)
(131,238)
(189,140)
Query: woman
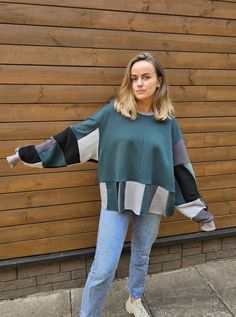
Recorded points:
(144,172)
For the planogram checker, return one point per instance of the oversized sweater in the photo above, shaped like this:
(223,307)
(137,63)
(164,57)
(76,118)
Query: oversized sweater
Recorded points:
(143,164)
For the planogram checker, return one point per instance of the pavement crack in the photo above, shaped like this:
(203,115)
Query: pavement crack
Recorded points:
(208,283)
(71,313)
(147,304)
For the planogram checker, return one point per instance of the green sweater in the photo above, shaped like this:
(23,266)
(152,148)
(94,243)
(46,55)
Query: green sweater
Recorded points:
(143,164)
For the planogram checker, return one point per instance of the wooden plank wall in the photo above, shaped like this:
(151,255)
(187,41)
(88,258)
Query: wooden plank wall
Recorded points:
(60,60)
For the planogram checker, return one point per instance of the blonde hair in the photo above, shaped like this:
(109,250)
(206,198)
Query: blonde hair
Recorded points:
(125,102)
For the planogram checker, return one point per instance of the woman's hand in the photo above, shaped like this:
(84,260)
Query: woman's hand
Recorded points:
(13,159)
(208,226)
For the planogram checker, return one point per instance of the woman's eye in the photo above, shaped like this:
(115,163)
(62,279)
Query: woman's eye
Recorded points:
(143,78)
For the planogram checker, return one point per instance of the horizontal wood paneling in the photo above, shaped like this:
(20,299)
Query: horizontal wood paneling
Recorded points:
(83,225)
(69,93)
(57,112)
(216,181)
(88,239)
(25,170)
(61,60)
(201,169)
(49,197)
(219,195)
(109,76)
(87,209)
(48,112)
(89,178)
(202,8)
(187,226)
(48,181)
(212,153)
(55,93)
(49,229)
(49,213)
(208,124)
(17,130)
(215,168)
(85,194)
(70,37)
(43,55)
(210,139)
(105,57)
(47,245)
(195,140)
(205,109)
(83,18)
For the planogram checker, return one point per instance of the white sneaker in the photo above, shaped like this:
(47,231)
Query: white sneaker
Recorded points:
(136,308)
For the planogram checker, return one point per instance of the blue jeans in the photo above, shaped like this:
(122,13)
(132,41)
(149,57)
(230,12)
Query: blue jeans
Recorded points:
(112,231)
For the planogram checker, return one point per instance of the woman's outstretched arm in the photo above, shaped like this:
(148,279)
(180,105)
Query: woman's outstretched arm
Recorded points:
(188,200)
(76,144)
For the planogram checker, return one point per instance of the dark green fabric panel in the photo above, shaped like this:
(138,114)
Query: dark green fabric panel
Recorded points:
(139,150)
(112,203)
(53,157)
(146,200)
(170,210)
(121,196)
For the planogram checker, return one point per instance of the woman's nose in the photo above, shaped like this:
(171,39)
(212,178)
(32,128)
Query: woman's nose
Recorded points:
(139,82)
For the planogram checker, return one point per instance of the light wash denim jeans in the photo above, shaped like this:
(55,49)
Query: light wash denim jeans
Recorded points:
(112,231)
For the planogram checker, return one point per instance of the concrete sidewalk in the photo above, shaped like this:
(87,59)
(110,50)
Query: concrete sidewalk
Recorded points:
(205,290)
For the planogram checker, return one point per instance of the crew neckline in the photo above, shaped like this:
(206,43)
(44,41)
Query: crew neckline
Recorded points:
(148,113)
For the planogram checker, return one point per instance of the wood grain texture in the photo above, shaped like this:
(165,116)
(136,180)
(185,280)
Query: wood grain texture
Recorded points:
(201,169)
(49,229)
(85,194)
(202,8)
(48,181)
(79,111)
(88,239)
(49,213)
(97,19)
(62,60)
(86,209)
(192,140)
(91,38)
(74,94)
(69,56)
(18,130)
(46,75)
(49,197)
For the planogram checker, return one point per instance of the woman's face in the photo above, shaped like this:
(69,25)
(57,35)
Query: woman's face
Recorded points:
(144,80)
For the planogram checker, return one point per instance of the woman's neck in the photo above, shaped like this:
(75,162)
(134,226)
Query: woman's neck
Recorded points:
(145,106)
